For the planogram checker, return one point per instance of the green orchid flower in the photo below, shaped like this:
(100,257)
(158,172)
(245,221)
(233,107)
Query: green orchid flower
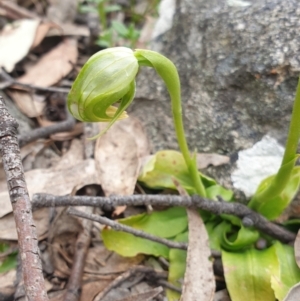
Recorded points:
(108,77)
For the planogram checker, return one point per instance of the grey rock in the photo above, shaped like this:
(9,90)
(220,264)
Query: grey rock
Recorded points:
(239,68)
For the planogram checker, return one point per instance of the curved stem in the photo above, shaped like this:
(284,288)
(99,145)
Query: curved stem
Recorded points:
(168,72)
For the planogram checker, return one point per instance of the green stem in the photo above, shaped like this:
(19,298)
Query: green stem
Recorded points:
(168,72)
(294,130)
(289,158)
(102,15)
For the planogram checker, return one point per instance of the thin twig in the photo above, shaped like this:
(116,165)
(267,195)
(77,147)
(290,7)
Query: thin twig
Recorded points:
(146,296)
(45,132)
(73,291)
(170,286)
(27,237)
(123,277)
(119,227)
(215,207)
(10,81)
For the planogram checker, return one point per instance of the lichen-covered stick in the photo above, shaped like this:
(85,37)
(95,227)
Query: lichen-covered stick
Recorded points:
(27,238)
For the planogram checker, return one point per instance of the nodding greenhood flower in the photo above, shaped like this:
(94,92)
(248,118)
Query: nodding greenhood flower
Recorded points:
(108,77)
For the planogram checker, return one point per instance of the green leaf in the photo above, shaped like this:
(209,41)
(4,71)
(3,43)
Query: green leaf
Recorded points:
(248,274)
(112,8)
(128,245)
(162,168)
(289,272)
(120,28)
(9,263)
(177,259)
(214,191)
(272,206)
(165,224)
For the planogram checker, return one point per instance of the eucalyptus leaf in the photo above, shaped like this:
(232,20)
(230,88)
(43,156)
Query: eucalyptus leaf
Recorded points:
(248,274)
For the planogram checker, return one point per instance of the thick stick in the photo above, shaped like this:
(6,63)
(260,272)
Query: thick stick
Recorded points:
(27,238)
(248,216)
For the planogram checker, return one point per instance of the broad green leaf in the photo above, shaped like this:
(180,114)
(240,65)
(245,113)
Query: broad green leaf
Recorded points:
(166,224)
(9,263)
(162,168)
(248,274)
(129,245)
(165,166)
(289,272)
(177,259)
(273,204)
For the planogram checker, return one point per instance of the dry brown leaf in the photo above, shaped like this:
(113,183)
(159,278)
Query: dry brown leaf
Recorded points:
(7,281)
(118,154)
(297,248)
(16,40)
(69,29)
(29,104)
(42,32)
(204,160)
(293,294)
(53,66)
(199,282)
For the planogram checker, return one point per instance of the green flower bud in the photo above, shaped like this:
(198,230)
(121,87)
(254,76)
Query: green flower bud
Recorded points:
(108,77)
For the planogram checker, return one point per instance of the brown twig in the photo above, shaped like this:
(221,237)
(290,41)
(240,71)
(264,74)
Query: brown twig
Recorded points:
(45,132)
(250,217)
(27,237)
(123,277)
(119,227)
(10,81)
(83,241)
(146,296)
